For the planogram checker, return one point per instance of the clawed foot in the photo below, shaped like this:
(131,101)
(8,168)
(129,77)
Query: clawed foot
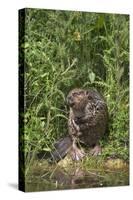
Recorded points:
(76,153)
(96,151)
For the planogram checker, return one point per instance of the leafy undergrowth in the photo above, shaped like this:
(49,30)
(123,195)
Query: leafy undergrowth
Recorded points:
(64,50)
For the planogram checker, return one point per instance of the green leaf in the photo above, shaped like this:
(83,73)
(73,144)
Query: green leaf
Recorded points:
(47,149)
(25,45)
(92,77)
(60,115)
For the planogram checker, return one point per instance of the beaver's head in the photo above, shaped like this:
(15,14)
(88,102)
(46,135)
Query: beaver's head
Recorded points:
(77,99)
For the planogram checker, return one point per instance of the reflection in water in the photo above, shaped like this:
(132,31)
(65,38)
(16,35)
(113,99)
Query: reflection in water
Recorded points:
(57,177)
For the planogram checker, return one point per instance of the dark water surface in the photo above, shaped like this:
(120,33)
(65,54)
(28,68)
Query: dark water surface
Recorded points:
(56,177)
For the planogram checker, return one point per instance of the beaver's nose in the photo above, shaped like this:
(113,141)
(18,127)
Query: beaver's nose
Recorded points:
(76,120)
(69,98)
(70,101)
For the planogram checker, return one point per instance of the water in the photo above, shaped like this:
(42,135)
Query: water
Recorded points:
(55,177)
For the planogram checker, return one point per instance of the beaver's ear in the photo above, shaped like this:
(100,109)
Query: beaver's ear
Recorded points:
(87,92)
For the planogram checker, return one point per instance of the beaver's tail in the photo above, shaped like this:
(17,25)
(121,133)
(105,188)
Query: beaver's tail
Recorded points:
(62,147)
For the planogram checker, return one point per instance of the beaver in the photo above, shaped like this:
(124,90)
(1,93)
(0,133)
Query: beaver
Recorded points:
(87,124)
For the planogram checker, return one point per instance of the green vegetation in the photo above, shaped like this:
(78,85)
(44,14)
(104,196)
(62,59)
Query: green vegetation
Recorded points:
(64,50)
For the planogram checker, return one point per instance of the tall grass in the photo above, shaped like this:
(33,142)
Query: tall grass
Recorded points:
(64,50)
